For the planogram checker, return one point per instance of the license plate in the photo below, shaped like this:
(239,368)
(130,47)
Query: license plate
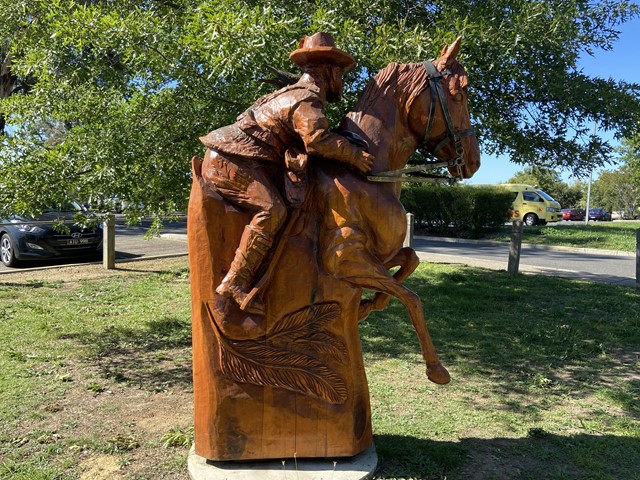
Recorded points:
(77,241)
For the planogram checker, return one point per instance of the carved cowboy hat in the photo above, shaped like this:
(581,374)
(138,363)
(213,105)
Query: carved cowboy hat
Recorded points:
(321,48)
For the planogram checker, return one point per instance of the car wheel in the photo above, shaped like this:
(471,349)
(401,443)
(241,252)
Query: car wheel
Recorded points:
(7,251)
(530,219)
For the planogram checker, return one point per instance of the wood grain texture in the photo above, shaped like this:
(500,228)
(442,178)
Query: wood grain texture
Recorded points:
(278,370)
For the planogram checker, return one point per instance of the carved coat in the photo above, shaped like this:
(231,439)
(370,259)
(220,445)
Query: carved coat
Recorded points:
(292,117)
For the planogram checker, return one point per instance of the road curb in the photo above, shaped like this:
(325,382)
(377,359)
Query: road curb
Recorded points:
(84,264)
(534,246)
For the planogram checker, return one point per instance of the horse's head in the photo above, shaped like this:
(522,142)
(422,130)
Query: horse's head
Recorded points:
(449,134)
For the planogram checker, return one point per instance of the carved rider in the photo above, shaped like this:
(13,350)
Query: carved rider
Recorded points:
(246,159)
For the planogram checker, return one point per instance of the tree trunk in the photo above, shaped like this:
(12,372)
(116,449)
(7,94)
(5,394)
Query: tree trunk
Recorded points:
(7,84)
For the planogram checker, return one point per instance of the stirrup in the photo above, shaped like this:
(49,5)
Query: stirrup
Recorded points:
(253,304)
(244,301)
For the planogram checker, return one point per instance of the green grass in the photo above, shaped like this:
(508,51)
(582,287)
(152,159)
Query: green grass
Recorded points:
(602,235)
(51,329)
(544,378)
(540,388)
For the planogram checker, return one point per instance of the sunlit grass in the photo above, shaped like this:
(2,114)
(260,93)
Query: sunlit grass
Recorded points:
(602,235)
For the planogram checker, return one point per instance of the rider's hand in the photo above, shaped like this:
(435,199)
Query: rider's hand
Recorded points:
(364,163)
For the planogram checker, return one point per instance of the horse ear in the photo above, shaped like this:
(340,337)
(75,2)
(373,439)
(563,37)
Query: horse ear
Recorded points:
(451,51)
(449,54)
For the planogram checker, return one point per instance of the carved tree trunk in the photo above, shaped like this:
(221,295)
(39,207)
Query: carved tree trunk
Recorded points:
(291,383)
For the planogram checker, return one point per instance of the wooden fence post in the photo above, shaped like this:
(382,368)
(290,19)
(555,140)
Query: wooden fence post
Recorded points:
(515,247)
(408,239)
(638,259)
(109,243)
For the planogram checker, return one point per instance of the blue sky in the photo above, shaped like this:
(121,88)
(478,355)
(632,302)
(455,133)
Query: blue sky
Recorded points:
(621,63)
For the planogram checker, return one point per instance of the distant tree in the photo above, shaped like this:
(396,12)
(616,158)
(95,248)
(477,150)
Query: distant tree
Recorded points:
(629,151)
(120,90)
(569,196)
(615,190)
(573,196)
(620,189)
(544,178)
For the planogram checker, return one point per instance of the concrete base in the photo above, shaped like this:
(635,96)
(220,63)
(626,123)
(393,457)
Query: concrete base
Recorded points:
(360,467)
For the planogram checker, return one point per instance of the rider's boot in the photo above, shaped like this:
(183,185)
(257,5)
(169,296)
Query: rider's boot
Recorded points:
(253,248)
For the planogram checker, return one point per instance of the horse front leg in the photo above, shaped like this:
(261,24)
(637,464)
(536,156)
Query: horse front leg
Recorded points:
(408,261)
(362,270)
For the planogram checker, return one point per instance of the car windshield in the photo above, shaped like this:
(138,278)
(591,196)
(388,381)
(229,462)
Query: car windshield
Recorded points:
(545,195)
(71,206)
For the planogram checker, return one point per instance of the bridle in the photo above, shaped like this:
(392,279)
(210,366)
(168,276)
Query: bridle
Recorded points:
(420,172)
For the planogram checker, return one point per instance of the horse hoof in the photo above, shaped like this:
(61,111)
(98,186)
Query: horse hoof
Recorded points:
(366,307)
(438,374)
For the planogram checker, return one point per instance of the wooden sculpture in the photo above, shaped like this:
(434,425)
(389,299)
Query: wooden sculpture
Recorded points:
(276,284)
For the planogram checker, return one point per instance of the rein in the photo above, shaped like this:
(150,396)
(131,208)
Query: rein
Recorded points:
(421,171)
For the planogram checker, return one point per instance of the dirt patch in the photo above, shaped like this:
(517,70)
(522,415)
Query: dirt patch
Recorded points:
(497,459)
(108,418)
(115,430)
(99,467)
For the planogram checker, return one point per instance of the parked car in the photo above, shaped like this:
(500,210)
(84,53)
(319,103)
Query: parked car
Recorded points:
(21,240)
(572,214)
(599,215)
(532,205)
(624,214)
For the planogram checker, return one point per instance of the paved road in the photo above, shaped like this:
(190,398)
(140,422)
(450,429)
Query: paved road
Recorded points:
(588,264)
(130,245)
(593,265)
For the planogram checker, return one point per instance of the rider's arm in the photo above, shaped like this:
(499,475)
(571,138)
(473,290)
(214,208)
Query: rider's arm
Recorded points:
(310,123)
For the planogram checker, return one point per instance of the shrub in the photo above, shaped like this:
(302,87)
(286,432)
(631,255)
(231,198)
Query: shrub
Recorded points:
(457,210)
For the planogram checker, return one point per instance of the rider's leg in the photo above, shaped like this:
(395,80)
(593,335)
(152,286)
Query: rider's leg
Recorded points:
(254,247)
(247,185)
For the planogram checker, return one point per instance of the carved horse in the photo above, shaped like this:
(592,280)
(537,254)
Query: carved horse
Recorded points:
(363,224)
(363,227)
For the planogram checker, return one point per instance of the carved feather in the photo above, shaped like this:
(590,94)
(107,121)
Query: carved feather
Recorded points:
(309,317)
(305,330)
(260,364)
(286,358)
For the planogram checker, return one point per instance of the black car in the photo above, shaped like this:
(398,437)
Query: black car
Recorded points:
(24,241)
(599,214)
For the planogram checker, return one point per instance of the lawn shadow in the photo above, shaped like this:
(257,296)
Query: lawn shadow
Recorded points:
(126,255)
(520,330)
(154,358)
(540,455)
(31,284)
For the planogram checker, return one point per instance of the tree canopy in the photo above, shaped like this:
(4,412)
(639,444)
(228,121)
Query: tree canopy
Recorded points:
(108,97)
(614,191)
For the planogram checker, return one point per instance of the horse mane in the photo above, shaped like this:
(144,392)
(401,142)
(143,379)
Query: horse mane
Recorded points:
(400,82)
(403,82)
